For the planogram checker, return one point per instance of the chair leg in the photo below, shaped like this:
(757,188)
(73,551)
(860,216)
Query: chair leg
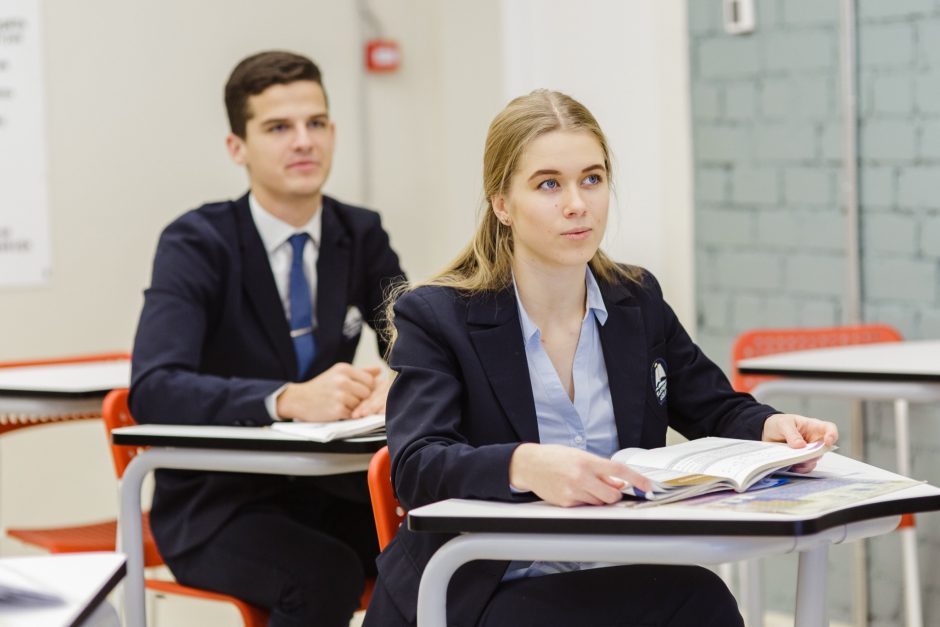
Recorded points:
(912,603)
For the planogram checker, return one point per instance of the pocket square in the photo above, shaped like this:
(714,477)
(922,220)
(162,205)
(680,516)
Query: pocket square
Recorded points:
(352,325)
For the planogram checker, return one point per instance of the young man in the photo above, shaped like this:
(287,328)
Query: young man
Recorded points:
(253,313)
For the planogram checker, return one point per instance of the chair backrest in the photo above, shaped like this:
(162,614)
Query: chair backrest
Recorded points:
(759,342)
(15,422)
(385,507)
(115,413)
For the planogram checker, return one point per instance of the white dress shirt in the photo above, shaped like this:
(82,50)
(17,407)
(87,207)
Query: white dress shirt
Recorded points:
(274,235)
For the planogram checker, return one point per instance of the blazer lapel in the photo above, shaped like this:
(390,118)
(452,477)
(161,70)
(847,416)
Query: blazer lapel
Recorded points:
(332,285)
(259,286)
(498,341)
(623,339)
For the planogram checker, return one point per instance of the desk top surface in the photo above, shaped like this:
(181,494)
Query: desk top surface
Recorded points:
(681,518)
(83,580)
(239,439)
(93,378)
(890,361)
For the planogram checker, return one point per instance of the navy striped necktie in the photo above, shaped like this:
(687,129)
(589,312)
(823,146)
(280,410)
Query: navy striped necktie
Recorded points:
(301,307)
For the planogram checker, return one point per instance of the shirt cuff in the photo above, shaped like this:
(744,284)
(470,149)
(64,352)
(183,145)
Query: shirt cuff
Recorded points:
(270,403)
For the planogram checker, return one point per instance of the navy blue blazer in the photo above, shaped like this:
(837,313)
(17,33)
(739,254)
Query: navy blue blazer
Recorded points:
(462,403)
(213,341)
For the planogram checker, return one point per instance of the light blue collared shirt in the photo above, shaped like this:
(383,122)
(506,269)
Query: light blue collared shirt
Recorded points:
(587,422)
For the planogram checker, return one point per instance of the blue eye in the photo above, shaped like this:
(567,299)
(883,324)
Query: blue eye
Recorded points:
(592,179)
(549,184)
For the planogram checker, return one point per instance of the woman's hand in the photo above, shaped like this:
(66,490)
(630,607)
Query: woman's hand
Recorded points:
(797,431)
(567,476)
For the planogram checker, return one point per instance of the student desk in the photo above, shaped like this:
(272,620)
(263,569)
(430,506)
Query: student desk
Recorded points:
(217,449)
(668,534)
(55,392)
(902,372)
(83,580)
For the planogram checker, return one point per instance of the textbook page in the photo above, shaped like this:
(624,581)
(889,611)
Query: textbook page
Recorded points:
(336,430)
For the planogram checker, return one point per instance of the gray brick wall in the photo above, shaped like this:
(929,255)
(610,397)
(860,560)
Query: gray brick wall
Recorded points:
(769,228)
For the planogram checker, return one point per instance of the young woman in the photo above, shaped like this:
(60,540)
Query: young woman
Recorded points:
(530,360)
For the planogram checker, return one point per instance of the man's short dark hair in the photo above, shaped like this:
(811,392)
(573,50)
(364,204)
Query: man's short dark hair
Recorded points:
(256,73)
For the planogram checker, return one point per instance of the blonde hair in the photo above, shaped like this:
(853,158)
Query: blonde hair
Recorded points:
(485,264)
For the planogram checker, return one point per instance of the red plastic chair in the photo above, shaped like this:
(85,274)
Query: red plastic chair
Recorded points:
(387,511)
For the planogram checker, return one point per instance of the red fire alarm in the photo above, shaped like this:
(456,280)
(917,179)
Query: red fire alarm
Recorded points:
(382,55)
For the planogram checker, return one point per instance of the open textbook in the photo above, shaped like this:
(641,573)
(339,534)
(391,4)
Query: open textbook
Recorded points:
(335,430)
(707,465)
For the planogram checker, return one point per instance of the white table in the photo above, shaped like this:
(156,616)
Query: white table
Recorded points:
(53,392)
(217,449)
(901,372)
(669,534)
(82,580)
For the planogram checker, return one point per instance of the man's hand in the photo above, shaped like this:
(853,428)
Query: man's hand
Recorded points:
(331,395)
(796,431)
(567,476)
(375,403)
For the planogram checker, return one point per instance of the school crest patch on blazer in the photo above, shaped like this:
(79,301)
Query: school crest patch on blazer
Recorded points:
(658,377)
(352,325)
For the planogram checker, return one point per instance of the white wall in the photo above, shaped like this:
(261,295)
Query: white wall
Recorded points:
(135,129)
(627,61)
(136,125)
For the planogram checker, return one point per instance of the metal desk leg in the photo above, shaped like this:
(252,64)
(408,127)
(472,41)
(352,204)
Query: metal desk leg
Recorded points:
(811,610)
(751,580)
(131,543)
(432,591)
(912,603)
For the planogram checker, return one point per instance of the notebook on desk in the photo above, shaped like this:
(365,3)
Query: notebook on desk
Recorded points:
(335,430)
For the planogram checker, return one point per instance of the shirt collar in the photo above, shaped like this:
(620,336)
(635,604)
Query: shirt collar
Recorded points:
(595,305)
(274,231)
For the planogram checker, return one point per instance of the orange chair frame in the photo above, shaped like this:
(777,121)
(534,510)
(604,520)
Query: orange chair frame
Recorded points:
(387,511)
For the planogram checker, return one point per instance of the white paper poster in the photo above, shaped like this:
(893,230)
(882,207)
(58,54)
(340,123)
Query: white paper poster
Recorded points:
(24,226)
